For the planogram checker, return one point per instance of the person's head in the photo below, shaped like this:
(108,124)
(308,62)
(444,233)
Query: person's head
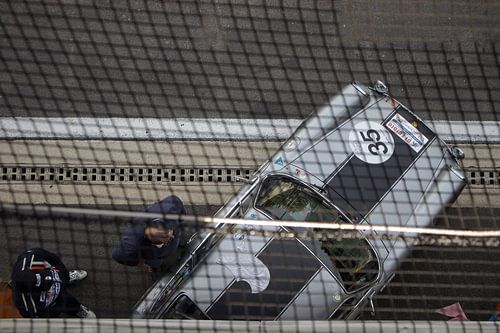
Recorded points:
(159,231)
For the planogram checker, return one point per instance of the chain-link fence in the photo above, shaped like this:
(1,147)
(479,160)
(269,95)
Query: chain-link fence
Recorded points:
(250,160)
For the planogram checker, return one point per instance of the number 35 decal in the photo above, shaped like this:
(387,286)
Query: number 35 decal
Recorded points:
(371,142)
(374,136)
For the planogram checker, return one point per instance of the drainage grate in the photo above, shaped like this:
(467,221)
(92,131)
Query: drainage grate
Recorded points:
(120,174)
(483,177)
(148,174)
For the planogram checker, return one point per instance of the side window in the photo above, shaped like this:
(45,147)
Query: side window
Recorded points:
(184,308)
(245,205)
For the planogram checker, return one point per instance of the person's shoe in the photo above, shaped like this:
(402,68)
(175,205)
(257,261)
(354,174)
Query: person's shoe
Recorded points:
(85,313)
(77,275)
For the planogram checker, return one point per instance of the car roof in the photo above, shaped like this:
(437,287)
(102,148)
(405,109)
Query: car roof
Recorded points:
(281,257)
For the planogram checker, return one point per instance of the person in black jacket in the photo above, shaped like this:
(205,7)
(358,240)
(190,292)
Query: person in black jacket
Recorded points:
(154,242)
(39,286)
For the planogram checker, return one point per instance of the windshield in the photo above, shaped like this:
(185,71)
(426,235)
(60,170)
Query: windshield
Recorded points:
(284,199)
(353,258)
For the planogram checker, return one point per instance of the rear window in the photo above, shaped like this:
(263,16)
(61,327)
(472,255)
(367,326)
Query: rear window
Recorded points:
(354,259)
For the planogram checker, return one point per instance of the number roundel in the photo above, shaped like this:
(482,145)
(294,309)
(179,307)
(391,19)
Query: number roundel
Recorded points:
(371,142)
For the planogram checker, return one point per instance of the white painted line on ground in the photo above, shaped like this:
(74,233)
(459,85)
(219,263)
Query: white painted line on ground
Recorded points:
(467,131)
(205,129)
(147,128)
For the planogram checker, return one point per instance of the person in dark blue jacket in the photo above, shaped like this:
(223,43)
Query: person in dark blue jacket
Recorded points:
(153,242)
(39,286)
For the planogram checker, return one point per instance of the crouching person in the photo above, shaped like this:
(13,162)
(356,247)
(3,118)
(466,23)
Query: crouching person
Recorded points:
(39,286)
(153,242)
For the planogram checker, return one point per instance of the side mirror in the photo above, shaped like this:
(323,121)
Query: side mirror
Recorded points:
(381,88)
(457,153)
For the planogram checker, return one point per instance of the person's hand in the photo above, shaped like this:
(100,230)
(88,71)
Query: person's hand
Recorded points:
(149,269)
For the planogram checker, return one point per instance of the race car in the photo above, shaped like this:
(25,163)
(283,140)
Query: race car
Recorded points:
(362,159)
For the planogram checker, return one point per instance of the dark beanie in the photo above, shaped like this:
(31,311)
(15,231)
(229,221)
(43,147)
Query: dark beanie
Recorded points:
(170,205)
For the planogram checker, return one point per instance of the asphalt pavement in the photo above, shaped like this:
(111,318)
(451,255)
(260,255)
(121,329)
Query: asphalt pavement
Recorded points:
(250,59)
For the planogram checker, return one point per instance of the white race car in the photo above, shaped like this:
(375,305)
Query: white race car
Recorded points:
(364,158)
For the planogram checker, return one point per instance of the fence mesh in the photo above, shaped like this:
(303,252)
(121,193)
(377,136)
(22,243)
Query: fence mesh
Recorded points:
(245,110)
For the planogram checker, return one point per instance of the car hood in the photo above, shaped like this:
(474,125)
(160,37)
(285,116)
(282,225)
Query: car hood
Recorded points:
(353,179)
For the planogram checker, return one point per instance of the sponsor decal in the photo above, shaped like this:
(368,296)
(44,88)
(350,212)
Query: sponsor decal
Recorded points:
(186,272)
(299,173)
(371,142)
(407,132)
(52,293)
(248,227)
(239,236)
(393,102)
(279,161)
(54,290)
(245,267)
(253,216)
(292,144)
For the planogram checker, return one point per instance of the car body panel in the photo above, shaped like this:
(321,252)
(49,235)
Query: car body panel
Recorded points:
(312,303)
(217,272)
(240,303)
(364,156)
